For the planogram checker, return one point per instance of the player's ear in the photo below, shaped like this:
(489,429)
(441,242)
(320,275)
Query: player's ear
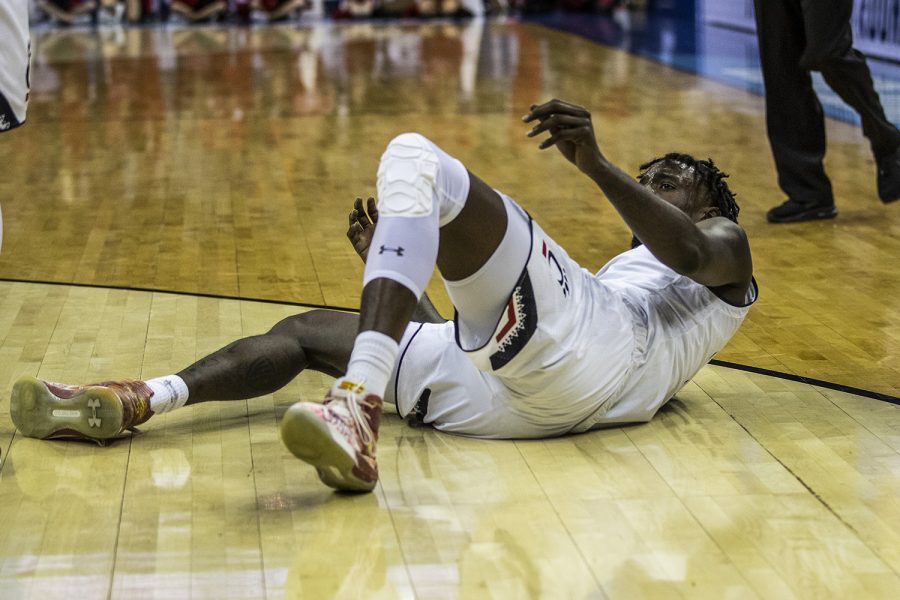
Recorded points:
(709,212)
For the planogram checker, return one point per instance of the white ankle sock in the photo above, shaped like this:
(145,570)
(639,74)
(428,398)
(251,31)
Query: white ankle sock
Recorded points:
(169,392)
(371,362)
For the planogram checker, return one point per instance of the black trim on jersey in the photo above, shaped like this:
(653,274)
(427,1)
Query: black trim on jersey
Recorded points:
(6,111)
(397,377)
(416,418)
(500,316)
(755,287)
(636,243)
(524,330)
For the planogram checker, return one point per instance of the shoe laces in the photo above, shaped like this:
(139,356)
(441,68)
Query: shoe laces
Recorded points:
(357,416)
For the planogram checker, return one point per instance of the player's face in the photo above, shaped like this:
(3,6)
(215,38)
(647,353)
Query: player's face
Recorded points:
(677,184)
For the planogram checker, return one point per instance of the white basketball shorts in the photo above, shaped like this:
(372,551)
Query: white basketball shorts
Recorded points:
(561,348)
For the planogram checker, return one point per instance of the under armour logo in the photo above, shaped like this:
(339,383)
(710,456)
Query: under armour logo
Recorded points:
(94,404)
(398,250)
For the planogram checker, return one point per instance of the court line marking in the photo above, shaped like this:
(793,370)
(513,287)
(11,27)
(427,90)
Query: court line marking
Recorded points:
(839,387)
(715,362)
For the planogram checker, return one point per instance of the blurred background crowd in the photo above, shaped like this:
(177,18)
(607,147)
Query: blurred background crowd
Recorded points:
(67,12)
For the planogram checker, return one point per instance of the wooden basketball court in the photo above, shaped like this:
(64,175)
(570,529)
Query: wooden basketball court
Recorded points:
(175,189)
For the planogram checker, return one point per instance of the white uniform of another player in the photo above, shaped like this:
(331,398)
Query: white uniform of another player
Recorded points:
(572,351)
(14,54)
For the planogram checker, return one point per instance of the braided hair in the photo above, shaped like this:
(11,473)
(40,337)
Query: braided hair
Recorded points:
(710,176)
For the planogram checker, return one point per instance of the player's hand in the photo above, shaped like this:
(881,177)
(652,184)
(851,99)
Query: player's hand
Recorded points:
(362,226)
(571,131)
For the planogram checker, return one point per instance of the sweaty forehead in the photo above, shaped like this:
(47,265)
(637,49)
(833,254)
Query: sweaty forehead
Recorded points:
(670,168)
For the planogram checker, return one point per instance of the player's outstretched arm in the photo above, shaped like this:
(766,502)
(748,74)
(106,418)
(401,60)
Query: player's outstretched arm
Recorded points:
(360,232)
(713,251)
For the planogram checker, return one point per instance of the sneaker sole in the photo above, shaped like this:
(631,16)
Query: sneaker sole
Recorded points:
(94,413)
(309,439)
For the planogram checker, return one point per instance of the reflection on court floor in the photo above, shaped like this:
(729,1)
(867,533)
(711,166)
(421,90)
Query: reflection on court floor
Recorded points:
(220,163)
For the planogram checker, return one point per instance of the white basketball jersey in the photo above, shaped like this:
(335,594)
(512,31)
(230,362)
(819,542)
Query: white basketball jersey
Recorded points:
(14,51)
(681,326)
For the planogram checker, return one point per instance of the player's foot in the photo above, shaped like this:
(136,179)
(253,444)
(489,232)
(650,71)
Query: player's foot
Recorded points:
(791,211)
(889,177)
(337,437)
(97,412)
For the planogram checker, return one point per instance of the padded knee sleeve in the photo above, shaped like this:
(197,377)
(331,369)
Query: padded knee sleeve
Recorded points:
(416,177)
(420,188)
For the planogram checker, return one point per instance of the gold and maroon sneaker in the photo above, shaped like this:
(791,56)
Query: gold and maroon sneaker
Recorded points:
(337,437)
(96,412)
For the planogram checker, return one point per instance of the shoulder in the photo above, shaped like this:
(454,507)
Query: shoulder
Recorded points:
(728,245)
(722,227)
(725,238)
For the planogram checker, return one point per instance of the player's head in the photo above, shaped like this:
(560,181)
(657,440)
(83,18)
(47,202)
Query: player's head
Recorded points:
(695,186)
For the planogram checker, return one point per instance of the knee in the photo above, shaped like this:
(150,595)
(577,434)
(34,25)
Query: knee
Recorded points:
(408,141)
(814,62)
(407,176)
(295,326)
(824,57)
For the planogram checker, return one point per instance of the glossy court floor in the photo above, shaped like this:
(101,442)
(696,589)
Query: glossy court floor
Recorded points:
(175,189)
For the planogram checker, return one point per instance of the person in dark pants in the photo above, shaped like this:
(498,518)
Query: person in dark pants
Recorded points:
(795,38)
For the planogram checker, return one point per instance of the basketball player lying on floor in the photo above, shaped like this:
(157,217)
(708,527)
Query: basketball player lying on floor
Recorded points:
(538,346)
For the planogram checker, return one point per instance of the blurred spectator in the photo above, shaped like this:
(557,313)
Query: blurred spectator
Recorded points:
(197,11)
(280,10)
(67,11)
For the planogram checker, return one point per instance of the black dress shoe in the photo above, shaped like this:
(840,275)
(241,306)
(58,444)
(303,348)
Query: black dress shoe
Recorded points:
(889,177)
(792,211)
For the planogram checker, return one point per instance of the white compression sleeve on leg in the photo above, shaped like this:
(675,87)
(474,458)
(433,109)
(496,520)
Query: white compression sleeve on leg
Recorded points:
(420,188)
(481,298)
(404,250)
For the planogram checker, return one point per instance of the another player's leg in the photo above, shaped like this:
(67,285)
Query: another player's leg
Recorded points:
(794,120)
(431,211)
(15,51)
(829,49)
(250,367)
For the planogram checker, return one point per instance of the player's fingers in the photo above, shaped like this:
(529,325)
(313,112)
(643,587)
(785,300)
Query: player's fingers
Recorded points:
(550,141)
(372,207)
(555,106)
(354,212)
(556,122)
(577,135)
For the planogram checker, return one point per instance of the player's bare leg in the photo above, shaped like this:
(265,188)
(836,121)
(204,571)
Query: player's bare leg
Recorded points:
(427,218)
(247,368)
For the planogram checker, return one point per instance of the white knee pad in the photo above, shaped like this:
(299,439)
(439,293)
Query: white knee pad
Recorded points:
(415,177)
(420,188)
